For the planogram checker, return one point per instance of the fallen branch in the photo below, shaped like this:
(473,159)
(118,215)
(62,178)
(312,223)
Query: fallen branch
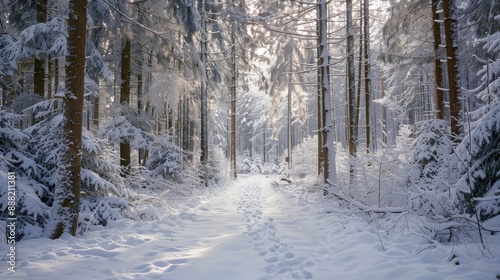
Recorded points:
(365,208)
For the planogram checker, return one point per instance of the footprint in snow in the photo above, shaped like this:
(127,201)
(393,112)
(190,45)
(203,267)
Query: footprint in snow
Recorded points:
(144,268)
(161,264)
(272,259)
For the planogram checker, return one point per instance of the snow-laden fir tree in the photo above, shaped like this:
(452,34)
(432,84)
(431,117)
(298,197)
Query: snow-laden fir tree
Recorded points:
(32,195)
(480,149)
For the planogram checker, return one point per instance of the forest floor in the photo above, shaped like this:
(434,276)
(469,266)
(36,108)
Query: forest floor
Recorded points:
(254,228)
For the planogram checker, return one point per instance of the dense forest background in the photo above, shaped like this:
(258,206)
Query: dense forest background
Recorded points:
(389,106)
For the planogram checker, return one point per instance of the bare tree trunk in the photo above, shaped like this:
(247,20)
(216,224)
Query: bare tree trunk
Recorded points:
(366,36)
(329,166)
(450,30)
(56,75)
(360,65)
(125,98)
(204,93)
(140,84)
(185,125)
(289,116)
(320,95)
(438,69)
(233,101)
(66,204)
(351,87)
(264,156)
(49,77)
(140,87)
(95,37)
(384,110)
(39,72)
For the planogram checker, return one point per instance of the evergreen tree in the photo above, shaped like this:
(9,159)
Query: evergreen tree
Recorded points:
(65,208)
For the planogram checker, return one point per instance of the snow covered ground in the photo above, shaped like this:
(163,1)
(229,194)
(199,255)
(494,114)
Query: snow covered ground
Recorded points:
(253,229)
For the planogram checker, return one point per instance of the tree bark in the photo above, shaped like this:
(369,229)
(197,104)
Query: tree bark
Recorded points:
(360,65)
(289,116)
(233,101)
(320,94)
(351,87)
(450,29)
(329,165)
(140,83)
(49,77)
(185,126)
(264,152)
(125,98)
(366,19)
(95,37)
(204,93)
(384,111)
(39,71)
(56,75)
(438,69)
(67,193)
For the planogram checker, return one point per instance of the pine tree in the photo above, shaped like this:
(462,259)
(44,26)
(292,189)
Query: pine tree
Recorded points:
(66,203)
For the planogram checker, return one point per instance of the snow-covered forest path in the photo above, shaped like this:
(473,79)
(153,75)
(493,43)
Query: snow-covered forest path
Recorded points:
(250,229)
(244,235)
(239,232)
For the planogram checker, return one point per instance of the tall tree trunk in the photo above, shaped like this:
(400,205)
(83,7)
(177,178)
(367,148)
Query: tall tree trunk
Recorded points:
(351,87)
(384,110)
(329,165)
(289,116)
(366,36)
(185,126)
(96,110)
(140,83)
(204,93)
(95,36)
(438,69)
(264,156)
(421,98)
(49,77)
(66,203)
(125,98)
(56,75)
(233,100)
(39,72)
(450,30)
(360,65)
(320,93)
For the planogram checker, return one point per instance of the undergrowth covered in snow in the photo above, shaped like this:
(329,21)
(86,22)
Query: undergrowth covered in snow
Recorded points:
(34,154)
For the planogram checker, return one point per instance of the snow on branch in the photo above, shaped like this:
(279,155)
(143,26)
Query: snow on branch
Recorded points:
(365,208)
